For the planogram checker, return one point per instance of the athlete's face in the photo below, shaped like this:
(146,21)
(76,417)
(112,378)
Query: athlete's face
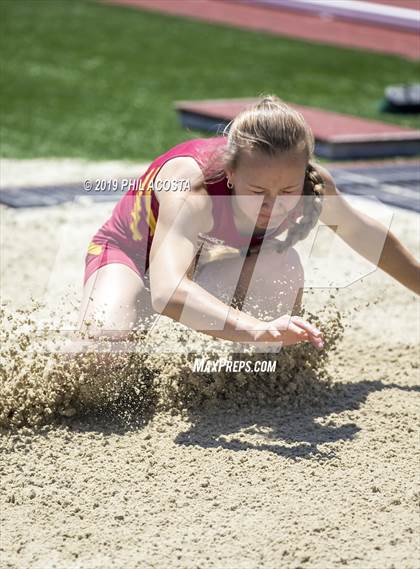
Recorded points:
(266,188)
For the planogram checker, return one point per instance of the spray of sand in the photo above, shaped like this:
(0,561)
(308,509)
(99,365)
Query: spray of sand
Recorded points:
(133,384)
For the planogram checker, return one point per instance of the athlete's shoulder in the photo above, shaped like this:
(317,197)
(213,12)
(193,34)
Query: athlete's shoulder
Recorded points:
(183,171)
(181,192)
(181,179)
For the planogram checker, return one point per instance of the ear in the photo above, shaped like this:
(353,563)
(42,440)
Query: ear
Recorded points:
(229,173)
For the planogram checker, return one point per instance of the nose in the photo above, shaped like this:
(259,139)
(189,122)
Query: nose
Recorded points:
(275,205)
(268,206)
(268,203)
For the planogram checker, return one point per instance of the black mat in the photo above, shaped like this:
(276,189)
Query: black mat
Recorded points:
(54,195)
(394,185)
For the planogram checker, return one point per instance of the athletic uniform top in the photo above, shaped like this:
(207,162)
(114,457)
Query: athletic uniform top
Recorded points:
(133,221)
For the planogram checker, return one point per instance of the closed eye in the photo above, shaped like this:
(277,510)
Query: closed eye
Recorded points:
(283,192)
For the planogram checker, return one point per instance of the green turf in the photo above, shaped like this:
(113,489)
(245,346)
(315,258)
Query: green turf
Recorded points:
(90,80)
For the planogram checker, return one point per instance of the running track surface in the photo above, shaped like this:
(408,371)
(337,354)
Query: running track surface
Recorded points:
(288,24)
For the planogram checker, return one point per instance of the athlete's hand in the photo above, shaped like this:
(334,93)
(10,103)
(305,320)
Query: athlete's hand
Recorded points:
(288,330)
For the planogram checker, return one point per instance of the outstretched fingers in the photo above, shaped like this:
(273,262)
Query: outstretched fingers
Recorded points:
(315,335)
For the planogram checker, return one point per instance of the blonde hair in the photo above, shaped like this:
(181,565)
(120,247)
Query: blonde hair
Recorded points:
(269,126)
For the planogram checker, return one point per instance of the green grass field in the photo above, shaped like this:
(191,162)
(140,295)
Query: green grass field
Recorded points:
(82,79)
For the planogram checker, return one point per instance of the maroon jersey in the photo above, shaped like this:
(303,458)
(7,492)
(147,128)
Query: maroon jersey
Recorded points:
(133,221)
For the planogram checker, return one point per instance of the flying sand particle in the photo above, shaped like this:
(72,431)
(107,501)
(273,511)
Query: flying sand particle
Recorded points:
(41,386)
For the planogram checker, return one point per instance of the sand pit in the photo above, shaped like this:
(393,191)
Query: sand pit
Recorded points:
(311,466)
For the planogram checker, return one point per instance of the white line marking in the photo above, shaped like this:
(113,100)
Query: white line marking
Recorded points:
(353,9)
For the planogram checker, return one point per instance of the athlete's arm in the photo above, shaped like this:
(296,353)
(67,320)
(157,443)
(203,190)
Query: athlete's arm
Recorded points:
(182,215)
(368,236)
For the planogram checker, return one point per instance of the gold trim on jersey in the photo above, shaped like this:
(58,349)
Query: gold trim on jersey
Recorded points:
(150,219)
(146,191)
(94,248)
